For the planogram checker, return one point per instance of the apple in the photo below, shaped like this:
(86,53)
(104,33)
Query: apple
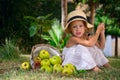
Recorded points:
(44,54)
(69,65)
(57,68)
(37,59)
(67,71)
(25,65)
(37,62)
(55,60)
(37,65)
(45,62)
(46,69)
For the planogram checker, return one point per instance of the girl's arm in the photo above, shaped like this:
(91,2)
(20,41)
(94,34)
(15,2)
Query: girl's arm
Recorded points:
(101,42)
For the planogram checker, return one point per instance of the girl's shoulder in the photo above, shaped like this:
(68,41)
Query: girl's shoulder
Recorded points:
(70,42)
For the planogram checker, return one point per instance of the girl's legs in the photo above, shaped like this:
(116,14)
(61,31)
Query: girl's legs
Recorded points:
(107,65)
(96,69)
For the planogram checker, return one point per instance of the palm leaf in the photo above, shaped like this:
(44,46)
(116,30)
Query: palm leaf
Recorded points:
(57,29)
(46,37)
(49,39)
(53,36)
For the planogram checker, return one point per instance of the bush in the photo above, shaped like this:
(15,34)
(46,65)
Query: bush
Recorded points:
(9,50)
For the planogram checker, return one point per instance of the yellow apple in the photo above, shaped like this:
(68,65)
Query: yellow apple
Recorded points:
(25,65)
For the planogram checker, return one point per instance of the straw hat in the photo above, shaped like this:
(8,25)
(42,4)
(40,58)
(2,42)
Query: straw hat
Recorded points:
(76,15)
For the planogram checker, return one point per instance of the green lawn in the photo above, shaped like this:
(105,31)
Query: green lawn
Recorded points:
(9,70)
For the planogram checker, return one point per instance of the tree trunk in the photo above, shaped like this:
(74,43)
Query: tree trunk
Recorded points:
(92,15)
(63,12)
(116,46)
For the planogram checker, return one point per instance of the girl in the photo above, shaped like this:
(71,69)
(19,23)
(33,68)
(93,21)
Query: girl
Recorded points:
(81,51)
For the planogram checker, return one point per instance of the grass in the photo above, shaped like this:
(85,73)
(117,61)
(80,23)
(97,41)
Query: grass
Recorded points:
(9,70)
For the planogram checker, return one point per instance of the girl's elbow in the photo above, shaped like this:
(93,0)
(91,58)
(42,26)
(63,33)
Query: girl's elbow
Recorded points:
(102,47)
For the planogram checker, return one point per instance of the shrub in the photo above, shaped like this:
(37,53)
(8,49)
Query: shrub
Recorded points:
(9,50)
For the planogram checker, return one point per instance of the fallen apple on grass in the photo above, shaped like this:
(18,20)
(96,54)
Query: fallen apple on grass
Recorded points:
(71,66)
(67,71)
(25,65)
(57,68)
(46,69)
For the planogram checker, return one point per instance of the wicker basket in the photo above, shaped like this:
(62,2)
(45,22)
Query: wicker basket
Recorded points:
(37,48)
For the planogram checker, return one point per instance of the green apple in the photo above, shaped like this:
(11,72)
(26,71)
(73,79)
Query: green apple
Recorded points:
(57,68)
(25,65)
(46,69)
(55,60)
(69,65)
(44,54)
(67,71)
(45,62)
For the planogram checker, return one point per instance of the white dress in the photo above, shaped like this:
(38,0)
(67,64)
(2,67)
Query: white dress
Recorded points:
(84,57)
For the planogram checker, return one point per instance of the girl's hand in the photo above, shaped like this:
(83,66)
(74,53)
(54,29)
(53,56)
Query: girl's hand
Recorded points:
(100,27)
(103,31)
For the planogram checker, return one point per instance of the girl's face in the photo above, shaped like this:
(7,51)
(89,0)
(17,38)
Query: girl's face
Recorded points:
(77,28)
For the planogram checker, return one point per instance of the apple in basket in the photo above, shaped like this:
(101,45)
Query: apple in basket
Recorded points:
(44,54)
(37,59)
(37,62)
(25,65)
(45,62)
(57,68)
(55,60)
(46,69)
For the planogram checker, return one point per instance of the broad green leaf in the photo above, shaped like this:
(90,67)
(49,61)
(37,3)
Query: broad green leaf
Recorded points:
(33,30)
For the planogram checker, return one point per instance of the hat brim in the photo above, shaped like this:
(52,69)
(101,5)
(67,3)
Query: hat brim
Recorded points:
(88,24)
